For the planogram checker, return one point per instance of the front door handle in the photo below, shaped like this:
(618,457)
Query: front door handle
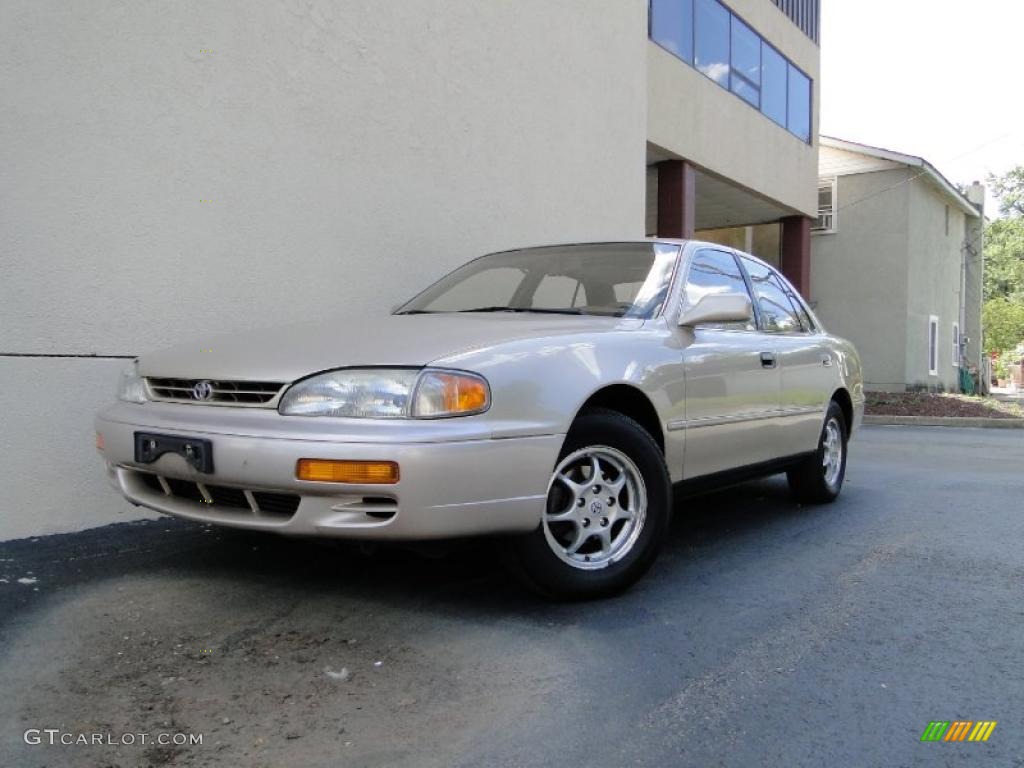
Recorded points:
(768,360)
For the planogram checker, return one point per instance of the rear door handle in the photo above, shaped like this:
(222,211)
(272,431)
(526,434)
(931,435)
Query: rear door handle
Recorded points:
(826,360)
(768,360)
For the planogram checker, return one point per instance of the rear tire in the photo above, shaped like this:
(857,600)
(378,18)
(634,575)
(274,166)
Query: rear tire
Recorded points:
(607,511)
(818,479)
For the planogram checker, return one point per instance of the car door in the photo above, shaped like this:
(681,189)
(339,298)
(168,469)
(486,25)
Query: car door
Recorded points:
(805,364)
(731,377)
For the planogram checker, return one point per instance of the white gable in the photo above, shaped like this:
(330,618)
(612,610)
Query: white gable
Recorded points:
(842,162)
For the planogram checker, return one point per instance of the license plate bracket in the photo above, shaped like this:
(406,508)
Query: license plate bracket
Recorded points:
(198,452)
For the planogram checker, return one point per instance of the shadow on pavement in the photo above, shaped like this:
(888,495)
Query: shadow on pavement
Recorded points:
(467,571)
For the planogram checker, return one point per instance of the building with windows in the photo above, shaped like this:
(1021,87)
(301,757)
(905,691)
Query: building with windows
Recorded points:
(732,108)
(175,171)
(898,266)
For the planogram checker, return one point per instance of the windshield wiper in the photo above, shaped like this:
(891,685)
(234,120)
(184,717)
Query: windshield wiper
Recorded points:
(567,311)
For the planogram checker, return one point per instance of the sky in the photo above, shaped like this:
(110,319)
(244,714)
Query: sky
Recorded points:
(935,78)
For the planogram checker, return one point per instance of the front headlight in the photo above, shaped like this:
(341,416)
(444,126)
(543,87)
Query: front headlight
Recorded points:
(388,393)
(131,387)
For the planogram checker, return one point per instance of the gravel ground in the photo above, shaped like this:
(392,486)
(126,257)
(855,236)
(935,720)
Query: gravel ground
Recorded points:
(768,634)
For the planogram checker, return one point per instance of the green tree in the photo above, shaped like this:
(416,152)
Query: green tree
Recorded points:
(1002,314)
(1003,321)
(1004,259)
(1009,188)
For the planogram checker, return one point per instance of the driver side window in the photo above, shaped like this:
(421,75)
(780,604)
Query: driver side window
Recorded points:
(716,272)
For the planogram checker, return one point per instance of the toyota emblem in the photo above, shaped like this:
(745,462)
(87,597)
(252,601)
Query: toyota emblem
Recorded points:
(203,390)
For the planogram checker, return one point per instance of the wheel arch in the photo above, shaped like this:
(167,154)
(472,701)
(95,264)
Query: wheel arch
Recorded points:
(629,401)
(842,398)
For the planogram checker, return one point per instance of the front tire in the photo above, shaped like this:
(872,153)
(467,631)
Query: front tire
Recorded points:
(819,478)
(606,515)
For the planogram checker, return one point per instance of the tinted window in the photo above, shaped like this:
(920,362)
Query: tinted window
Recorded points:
(777,312)
(798,304)
(713,41)
(672,26)
(746,63)
(488,287)
(553,279)
(799,117)
(558,291)
(715,272)
(774,74)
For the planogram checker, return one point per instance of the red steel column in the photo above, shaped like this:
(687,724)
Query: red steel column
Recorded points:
(677,202)
(796,253)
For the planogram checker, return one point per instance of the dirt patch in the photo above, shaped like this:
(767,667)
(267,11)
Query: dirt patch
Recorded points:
(265,674)
(939,405)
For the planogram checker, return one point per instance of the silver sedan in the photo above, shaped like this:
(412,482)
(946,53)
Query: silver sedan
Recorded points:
(553,395)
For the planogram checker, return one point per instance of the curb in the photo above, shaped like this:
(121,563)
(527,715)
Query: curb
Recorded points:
(945,421)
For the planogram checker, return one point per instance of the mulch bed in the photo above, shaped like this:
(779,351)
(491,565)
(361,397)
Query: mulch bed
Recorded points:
(939,404)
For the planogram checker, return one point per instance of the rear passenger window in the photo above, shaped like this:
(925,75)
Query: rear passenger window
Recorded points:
(778,315)
(716,272)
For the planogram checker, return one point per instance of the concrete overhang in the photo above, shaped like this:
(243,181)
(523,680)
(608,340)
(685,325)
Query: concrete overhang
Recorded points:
(721,203)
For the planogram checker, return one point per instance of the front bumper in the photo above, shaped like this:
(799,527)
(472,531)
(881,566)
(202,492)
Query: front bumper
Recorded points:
(454,480)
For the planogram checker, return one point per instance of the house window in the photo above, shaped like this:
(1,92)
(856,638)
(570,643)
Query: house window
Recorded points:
(933,345)
(956,345)
(774,69)
(947,221)
(746,63)
(799,114)
(672,27)
(712,42)
(710,37)
(826,206)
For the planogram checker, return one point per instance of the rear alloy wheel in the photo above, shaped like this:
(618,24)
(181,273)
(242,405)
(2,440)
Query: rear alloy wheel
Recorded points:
(819,478)
(606,512)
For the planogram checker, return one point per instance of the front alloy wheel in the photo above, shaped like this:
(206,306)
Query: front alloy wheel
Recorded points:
(596,507)
(606,514)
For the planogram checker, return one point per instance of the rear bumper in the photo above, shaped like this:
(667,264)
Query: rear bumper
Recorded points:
(454,487)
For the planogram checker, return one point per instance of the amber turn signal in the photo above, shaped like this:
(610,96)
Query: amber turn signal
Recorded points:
(356,472)
(100,442)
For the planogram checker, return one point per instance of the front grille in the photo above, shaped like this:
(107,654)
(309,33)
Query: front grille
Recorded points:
(278,504)
(214,391)
(223,498)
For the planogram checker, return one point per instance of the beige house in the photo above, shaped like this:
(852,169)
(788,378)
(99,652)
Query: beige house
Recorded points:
(897,265)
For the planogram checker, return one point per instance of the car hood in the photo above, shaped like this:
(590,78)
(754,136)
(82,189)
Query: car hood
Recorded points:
(291,352)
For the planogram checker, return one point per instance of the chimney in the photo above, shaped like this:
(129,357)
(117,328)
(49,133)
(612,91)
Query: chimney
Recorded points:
(976,194)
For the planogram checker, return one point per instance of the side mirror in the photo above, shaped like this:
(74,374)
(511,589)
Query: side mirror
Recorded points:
(718,308)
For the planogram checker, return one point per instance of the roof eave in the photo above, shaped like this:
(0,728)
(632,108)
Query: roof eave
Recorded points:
(912,161)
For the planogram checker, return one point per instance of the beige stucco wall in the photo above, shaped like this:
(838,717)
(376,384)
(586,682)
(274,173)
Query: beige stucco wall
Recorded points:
(859,274)
(762,240)
(933,268)
(686,113)
(350,153)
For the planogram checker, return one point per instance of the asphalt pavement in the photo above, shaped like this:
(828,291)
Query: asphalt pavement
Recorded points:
(768,634)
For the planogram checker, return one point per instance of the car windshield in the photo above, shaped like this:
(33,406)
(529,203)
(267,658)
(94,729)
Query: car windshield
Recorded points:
(610,279)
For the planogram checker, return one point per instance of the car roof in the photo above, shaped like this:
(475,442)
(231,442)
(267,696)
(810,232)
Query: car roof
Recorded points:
(677,241)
